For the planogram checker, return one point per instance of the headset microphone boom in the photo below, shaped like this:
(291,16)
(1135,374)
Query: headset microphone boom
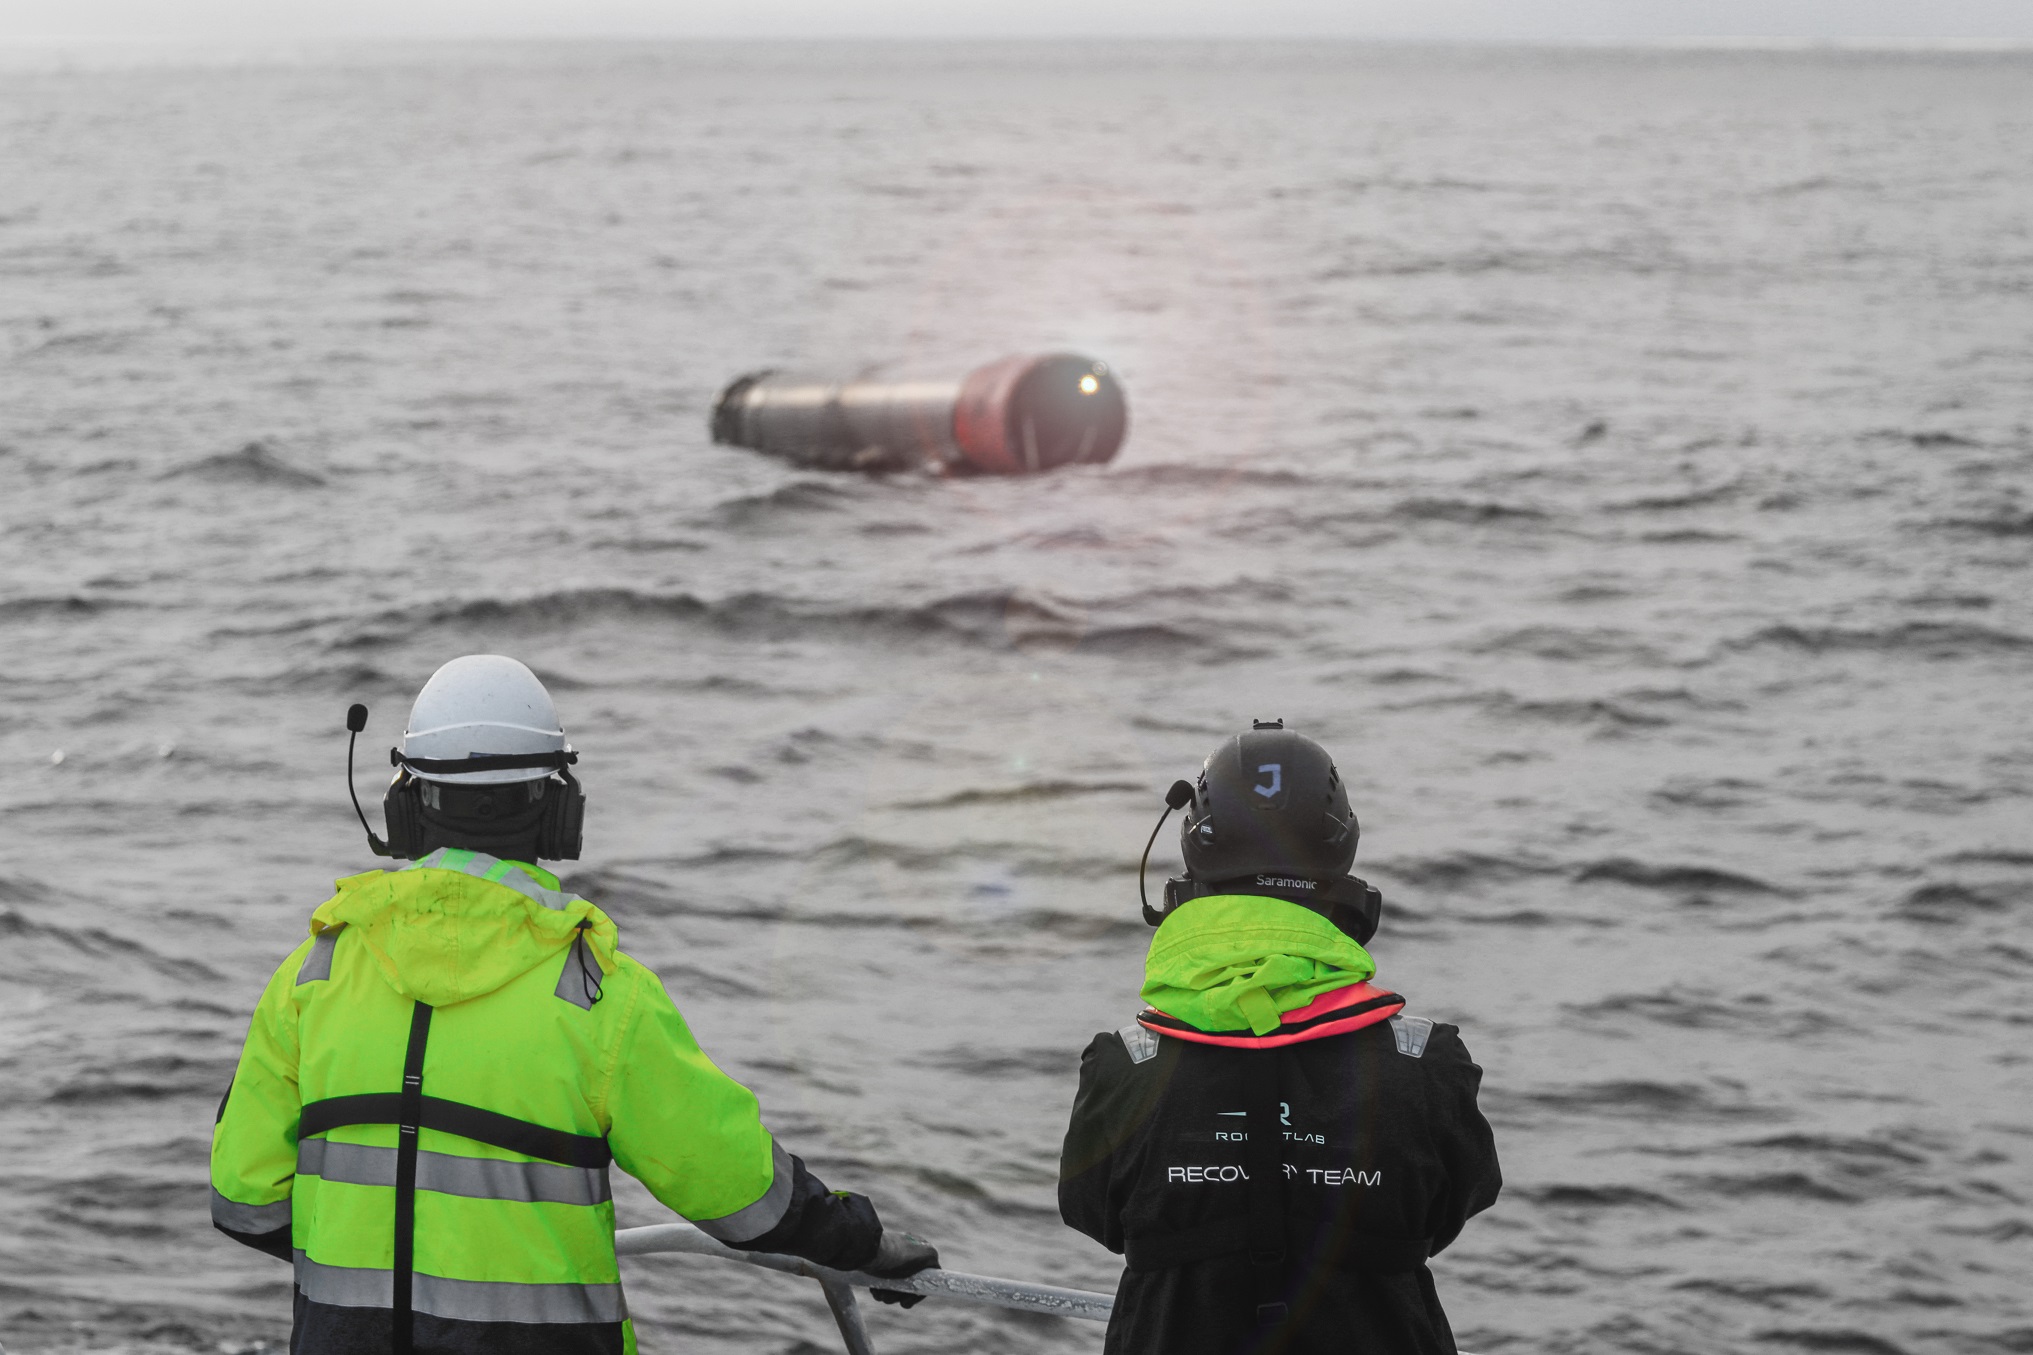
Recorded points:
(356,720)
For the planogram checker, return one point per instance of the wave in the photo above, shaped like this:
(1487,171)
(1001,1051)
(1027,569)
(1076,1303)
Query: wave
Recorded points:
(70,606)
(1836,1146)
(1521,917)
(1684,1010)
(1019,859)
(1478,262)
(691,980)
(647,545)
(1944,903)
(1688,536)
(998,1061)
(1165,474)
(28,933)
(1692,498)
(156,1078)
(1994,857)
(84,343)
(2003,1232)
(1594,592)
(1831,1340)
(1682,878)
(1763,1292)
(1793,1185)
(955,1186)
(1933,639)
(1569,643)
(1962,602)
(2015,957)
(1573,711)
(795,498)
(1597,1197)
(1468,512)
(2004,523)
(1456,870)
(1638,1097)
(622,891)
(1722,792)
(1000,618)
(545,610)
(253,464)
(335,679)
(1255,594)
(1026,794)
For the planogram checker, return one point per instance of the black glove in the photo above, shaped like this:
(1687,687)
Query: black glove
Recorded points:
(899,1255)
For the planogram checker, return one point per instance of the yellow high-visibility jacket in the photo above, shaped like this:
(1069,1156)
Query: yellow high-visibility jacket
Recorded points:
(432,1090)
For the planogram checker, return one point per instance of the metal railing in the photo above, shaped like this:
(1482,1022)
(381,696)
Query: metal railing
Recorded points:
(839,1285)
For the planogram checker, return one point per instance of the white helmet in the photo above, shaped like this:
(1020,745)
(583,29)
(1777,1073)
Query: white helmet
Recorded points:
(483,705)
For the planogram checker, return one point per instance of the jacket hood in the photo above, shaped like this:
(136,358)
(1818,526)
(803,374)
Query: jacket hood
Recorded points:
(443,931)
(1231,961)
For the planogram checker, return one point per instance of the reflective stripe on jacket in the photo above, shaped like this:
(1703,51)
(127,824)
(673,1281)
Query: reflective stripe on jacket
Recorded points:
(462,1040)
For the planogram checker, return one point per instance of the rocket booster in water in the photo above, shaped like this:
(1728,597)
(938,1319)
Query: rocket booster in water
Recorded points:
(1017,416)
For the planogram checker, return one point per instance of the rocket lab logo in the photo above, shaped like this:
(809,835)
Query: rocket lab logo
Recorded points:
(1276,788)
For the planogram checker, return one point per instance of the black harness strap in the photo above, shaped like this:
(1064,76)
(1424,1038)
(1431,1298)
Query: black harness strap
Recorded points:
(468,1122)
(408,1122)
(1264,1161)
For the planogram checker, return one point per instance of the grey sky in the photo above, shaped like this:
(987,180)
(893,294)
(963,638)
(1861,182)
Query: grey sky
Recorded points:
(1640,20)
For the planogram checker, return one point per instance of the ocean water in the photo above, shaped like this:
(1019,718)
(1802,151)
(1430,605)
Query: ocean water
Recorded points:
(1620,460)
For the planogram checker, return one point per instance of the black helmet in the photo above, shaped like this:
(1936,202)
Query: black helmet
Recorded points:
(1269,802)
(1269,817)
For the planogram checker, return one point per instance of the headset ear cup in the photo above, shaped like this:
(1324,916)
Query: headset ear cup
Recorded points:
(402,811)
(564,822)
(1369,912)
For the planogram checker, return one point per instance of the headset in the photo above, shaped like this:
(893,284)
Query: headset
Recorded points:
(560,824)
(1353,905)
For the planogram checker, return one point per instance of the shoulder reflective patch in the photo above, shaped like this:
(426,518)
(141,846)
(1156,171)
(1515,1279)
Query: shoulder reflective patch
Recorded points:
(579,981)
(1141,1044)
(1411,1033)
(318,964)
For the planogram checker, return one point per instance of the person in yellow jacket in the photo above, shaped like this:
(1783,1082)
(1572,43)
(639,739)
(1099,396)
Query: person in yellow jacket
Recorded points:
(436,1082)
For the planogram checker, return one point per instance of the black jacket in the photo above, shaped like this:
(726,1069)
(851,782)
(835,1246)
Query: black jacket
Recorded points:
(1384,1156)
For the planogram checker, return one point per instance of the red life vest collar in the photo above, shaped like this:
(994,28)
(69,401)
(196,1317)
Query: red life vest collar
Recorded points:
(1332,1013)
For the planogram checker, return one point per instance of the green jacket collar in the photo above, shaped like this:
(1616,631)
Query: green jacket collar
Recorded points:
(459,924)
(1234,960)
(486,867)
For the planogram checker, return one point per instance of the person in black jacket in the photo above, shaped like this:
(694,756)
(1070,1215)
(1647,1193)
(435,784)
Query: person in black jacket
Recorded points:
(1275,1147)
